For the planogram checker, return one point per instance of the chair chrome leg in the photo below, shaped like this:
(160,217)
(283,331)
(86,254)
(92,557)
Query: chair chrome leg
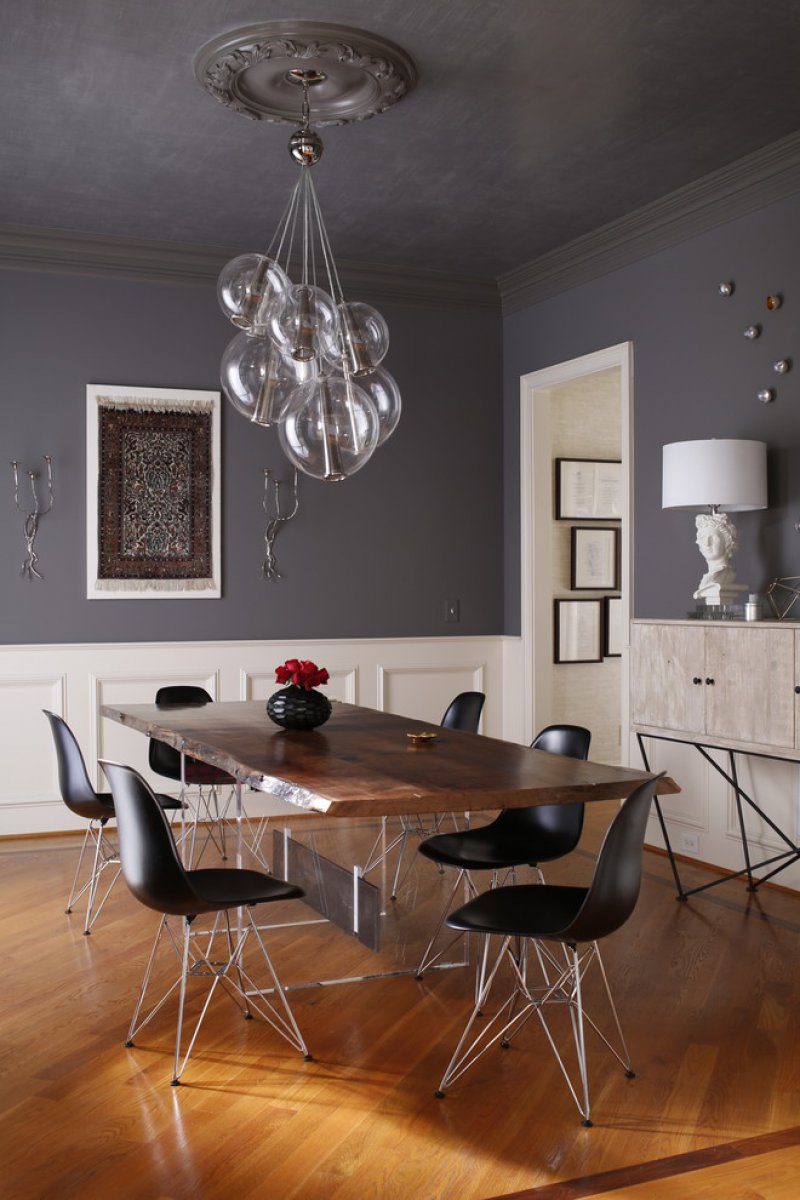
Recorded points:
(72,894)
(403,843)
(580,1040)
(182,998)
(145,981)
(231,952)
(622,1055)
(284,1024)
(98,842)
(427,959)
(469,1051)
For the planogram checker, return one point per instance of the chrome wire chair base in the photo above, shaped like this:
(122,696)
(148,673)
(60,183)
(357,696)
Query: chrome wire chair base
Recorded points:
(213,815)
(429,958)
(105,857)
(194,950)
(410,826)
(562,985)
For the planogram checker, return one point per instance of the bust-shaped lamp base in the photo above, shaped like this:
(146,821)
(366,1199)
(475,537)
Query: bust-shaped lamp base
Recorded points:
(717,541)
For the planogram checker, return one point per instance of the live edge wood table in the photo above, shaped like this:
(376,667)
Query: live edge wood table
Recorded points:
(362,763)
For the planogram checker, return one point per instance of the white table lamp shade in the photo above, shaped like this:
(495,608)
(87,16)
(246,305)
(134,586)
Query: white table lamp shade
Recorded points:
(728,473)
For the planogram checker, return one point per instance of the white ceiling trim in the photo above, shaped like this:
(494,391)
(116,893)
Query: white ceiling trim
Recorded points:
(750,183)
(27,248)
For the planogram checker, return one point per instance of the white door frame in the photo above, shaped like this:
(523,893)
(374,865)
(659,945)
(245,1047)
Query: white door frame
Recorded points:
(536,489)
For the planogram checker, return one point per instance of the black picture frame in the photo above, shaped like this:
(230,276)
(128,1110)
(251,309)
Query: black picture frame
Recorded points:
(577,631)
(594,558)
(588,489)
(613,634)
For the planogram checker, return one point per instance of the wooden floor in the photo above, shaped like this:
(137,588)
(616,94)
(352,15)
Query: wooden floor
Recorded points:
(709,994)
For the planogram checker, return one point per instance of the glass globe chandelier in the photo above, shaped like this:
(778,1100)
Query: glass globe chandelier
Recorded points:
(305,359)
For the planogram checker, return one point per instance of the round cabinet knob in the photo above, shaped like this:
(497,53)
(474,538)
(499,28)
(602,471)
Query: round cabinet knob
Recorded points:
(797,689)
(710,681)
(697,679)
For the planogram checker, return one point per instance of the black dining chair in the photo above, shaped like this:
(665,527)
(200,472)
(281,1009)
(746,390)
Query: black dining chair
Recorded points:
(462,713)
(95,807)
(208,781)
(518,836)
(156,876)
(575,918)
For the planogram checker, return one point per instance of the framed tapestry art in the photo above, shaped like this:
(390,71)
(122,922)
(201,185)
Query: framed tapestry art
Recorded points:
(152,494)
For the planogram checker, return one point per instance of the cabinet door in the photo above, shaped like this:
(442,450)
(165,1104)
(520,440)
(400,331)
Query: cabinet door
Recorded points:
(665,661)
(752,696)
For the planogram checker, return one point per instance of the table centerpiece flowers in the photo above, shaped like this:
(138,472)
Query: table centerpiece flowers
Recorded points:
(300,705)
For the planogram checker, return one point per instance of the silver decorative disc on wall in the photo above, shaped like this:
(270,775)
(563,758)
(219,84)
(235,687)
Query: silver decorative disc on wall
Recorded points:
(359,73)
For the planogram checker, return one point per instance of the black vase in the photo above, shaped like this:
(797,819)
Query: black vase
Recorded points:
(295,708)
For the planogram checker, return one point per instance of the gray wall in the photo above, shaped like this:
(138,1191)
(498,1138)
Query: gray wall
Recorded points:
(374,556)
(695,376)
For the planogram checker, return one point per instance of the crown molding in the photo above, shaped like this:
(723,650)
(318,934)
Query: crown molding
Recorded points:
(750,183)
(66,252)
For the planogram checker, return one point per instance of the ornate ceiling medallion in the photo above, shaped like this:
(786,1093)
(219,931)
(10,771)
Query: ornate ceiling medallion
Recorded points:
(253,70)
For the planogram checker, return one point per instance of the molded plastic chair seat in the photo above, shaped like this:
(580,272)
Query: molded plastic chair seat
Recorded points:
(526,910)
(216,888)
(538,914)
(95,807)
(532,835)
(490,849)
(157,878)
(518,836)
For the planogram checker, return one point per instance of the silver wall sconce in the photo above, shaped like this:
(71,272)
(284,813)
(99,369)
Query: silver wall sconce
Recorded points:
(277,516)
(30,526)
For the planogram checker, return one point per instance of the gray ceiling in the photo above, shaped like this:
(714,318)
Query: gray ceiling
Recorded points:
(534,121)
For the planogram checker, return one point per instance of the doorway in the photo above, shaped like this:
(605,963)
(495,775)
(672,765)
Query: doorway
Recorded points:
(576,410)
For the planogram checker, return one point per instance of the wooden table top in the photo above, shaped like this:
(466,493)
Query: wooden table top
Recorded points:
(362,763)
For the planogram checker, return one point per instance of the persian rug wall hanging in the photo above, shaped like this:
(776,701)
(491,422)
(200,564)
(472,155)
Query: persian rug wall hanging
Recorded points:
(152,493)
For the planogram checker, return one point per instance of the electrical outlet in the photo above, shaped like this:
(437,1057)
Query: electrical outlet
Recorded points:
(451,610)
(690,842)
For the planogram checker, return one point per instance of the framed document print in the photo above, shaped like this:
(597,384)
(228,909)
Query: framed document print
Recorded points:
(588,489)
(578,631)
(613,634)
(594,561)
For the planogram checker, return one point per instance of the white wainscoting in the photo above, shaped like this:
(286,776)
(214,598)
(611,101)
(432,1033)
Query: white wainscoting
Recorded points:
(413,677)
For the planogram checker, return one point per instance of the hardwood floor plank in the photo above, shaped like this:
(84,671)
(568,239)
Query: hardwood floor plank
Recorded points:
(708,992)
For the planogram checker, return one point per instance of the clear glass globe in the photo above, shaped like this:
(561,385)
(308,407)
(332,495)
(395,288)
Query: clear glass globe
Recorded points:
(330,428)
(364,337)
(247,287)
(303,324)
(382,389)
(257,379)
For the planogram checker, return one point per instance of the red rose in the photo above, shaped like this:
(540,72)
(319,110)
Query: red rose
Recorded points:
(301,673)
